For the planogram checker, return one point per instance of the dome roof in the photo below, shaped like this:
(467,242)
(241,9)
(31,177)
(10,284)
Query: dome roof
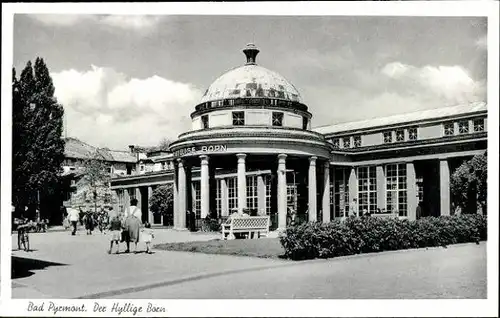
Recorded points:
(251,80)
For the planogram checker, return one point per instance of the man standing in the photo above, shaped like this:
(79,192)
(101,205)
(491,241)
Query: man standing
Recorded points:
(73,216)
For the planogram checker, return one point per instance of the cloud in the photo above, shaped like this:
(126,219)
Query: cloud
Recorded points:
(108,109)
(127,22)
(395,88)
(482,42)
(131,22)
(450,84)
(61,19)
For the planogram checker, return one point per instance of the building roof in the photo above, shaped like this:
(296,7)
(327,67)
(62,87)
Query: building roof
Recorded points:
(251,80)
(423,115)
(75,148)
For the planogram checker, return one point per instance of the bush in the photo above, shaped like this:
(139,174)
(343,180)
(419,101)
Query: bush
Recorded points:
(210,225)
(372,234)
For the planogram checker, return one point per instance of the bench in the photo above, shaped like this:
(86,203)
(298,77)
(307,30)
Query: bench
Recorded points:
(245,224)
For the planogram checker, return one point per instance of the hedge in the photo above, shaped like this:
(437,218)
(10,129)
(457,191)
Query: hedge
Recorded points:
(373,234)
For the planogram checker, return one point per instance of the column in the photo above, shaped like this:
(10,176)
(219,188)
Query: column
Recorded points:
(224,200)
(313,210)
(126,204)
(116,203)
(332,182)
(444,181)
(353,193)
(242,182)
(261,193)
(326,192)
(150,213)
(138,196)
(381,188)
(281,191)
(181,197)
(204,187)
(189,193)
(176,195)
(411,191)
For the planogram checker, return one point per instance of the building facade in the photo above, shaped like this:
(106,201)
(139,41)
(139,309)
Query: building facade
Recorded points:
(251,146)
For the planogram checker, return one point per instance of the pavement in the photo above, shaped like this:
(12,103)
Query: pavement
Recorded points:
(65,266)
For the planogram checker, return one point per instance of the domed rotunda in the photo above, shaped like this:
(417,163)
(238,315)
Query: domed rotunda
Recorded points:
(252,126)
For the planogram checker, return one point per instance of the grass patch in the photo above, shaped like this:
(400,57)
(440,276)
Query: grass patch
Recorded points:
(264,247)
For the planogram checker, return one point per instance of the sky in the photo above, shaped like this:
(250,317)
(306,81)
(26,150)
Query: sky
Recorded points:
(135,79)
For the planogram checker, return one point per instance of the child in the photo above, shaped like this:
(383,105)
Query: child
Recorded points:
(147,236)
(115,232)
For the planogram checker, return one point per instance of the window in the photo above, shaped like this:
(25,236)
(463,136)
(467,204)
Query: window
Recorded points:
(463,127)
(413,133)
(387,137)
(449,129)
(367,189)
(277,119)
(357,141)
(142,167)
(396,189)
(291,191)
(252,194)
(267,182)
(347,142)
(218,198)
(204,121)
(197,199)
(131,194)
(238,118)
(305,122)
(400,135)
(478,124)
(232,194)
(341,192)
(336,143)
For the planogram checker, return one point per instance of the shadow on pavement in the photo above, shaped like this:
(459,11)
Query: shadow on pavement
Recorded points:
(23,267)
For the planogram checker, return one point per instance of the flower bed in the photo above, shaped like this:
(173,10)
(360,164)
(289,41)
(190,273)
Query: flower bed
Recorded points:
(369,234)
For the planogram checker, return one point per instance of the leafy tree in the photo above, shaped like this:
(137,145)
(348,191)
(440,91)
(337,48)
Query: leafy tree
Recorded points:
(162,199)
(469,184)
(164,144)
(38,149)
(96,177)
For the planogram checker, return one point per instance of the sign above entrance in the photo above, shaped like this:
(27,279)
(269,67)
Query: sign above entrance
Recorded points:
(199,150)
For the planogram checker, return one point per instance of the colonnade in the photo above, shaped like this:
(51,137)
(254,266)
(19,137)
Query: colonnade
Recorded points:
(182,189)
(182,183)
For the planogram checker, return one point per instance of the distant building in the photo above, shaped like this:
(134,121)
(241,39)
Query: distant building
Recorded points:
(120,163)
(251,146)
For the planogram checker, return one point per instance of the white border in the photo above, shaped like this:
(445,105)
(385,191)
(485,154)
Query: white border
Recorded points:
(275,307)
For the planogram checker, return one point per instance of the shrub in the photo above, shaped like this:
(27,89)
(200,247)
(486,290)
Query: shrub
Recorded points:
(372,234)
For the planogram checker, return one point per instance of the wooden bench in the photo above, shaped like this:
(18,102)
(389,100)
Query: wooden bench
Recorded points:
(245,224)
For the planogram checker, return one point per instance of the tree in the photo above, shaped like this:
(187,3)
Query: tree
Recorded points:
(162,200)
(469,184)
(164,144)
(37,146)
(96,178)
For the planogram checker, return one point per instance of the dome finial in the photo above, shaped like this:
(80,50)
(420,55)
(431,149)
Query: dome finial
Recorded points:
(251,52)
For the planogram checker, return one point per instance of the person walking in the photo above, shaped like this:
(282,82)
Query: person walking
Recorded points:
(419,210)
(115,232)
(73,217)
(133,217)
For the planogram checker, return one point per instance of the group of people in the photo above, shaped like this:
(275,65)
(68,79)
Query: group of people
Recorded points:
(126,227)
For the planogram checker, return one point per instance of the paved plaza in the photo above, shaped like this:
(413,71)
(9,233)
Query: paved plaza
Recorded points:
(65,266)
